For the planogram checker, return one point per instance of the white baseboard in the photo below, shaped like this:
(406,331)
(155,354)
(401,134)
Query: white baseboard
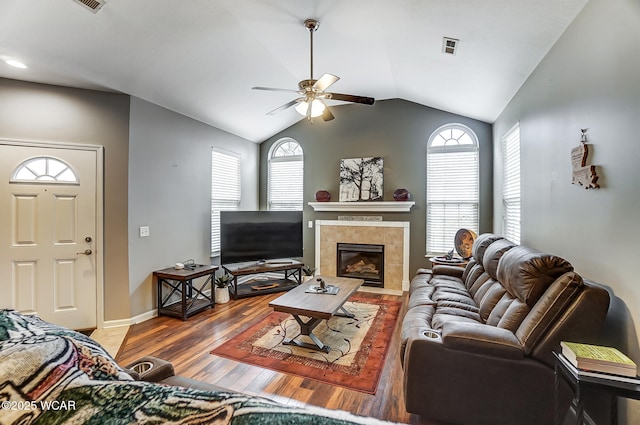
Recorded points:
(405,285)
(144,316)
(131,321)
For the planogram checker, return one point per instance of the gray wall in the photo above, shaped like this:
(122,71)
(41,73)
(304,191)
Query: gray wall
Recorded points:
(170,191)
(588,80)
(396,130)
(39,112)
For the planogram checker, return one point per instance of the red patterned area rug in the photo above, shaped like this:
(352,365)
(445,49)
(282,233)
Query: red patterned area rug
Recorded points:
(358,346)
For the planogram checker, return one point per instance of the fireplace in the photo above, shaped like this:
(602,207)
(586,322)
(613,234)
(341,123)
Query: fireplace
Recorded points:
(361,261)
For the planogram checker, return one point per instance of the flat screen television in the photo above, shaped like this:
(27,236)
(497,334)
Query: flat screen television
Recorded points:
(259,235)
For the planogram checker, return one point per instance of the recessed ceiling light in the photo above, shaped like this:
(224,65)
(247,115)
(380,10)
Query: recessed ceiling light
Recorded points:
(15,63)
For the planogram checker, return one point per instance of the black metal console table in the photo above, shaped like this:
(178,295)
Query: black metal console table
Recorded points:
(179,283)
(250,285)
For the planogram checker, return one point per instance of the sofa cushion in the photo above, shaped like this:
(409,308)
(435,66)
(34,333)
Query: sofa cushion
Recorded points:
(492,256)
(450,285)
(480,339)
(491,297)
(547,310)
(472,276)
(452,296)
(451,314)
(420,280)
(421,296)
(481,243)
(508,313)
(469,306)
(479,282)
(526,273)
(467,269)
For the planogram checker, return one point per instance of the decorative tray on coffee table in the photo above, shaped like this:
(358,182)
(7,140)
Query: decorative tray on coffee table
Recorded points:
(327,290)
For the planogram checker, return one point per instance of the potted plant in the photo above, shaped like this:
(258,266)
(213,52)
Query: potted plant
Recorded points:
(308,272)
(222,283)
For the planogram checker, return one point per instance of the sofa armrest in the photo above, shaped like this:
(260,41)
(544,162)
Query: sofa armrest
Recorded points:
(444,269)
(481,339)
(150,369)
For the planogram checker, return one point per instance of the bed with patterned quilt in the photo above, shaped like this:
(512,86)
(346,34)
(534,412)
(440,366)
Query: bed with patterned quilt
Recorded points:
(53,375)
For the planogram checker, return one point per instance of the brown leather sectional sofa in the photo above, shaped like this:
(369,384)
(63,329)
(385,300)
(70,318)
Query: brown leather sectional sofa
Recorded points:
(477,342)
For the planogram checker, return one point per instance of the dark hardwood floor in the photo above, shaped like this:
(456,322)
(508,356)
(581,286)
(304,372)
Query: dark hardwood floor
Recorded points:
(188,344)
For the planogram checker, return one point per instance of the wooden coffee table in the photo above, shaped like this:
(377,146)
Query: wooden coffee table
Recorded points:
(316,307)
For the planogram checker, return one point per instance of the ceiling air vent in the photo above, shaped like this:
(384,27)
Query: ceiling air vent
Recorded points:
(93,5)
(449,45)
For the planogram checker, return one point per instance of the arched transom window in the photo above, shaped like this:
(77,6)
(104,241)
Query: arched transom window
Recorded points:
(43,169)
(286,170)
(452,185)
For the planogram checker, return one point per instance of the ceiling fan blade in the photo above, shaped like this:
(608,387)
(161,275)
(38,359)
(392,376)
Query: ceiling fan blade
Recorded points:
(350,98)
(326,114)
(285,106)
(274,89)
(325,81)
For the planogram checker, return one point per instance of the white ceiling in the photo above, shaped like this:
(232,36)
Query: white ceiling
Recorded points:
(201,57)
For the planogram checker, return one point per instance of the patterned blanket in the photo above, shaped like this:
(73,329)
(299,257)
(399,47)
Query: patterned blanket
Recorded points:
(52,375)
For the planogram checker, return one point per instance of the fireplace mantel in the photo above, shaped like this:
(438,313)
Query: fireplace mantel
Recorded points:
(373,206)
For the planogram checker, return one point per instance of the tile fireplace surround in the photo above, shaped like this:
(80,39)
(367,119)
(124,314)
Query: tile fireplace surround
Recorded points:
(394,235)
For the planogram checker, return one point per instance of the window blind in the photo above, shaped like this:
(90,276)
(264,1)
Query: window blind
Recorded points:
(286,176)
(511,185)
(452,195)
(286,184)
(225,191)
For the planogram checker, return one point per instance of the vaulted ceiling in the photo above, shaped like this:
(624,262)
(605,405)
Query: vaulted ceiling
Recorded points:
(201,57)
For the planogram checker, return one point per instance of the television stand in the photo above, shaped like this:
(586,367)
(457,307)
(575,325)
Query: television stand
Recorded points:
(263,277)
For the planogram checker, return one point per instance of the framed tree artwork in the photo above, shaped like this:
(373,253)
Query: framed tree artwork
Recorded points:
(361,179)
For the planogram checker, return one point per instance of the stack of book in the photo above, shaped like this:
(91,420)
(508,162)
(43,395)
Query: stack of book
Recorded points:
(599,361)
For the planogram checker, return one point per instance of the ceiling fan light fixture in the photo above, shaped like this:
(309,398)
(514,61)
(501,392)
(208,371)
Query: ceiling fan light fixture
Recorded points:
(313,92)
(317,108)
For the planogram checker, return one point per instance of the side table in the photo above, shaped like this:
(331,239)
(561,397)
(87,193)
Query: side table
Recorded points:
(456,261)
(611,385)
(179,283)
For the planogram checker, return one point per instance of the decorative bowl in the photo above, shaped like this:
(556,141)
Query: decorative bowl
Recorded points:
(323,196)
(401,194)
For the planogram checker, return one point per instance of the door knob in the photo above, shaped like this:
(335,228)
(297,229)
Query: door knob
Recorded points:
(85,252)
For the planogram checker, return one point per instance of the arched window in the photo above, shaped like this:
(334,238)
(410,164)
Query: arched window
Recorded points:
(286,170)
(43,169)
(452,185)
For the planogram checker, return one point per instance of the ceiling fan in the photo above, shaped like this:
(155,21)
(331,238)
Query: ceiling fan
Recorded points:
(313,95)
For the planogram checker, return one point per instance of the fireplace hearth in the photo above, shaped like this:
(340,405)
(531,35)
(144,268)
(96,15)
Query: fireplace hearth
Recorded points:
(361,261)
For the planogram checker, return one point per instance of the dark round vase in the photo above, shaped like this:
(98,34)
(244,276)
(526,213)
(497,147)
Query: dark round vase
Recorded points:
(323,196)
(401,195)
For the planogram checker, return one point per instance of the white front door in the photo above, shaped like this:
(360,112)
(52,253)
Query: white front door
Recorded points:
(48,233)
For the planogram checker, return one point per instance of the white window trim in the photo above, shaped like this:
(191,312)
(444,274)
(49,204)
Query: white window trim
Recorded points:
(295,204)
(511,185)
(38,176)
(430,203)
(230,204)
